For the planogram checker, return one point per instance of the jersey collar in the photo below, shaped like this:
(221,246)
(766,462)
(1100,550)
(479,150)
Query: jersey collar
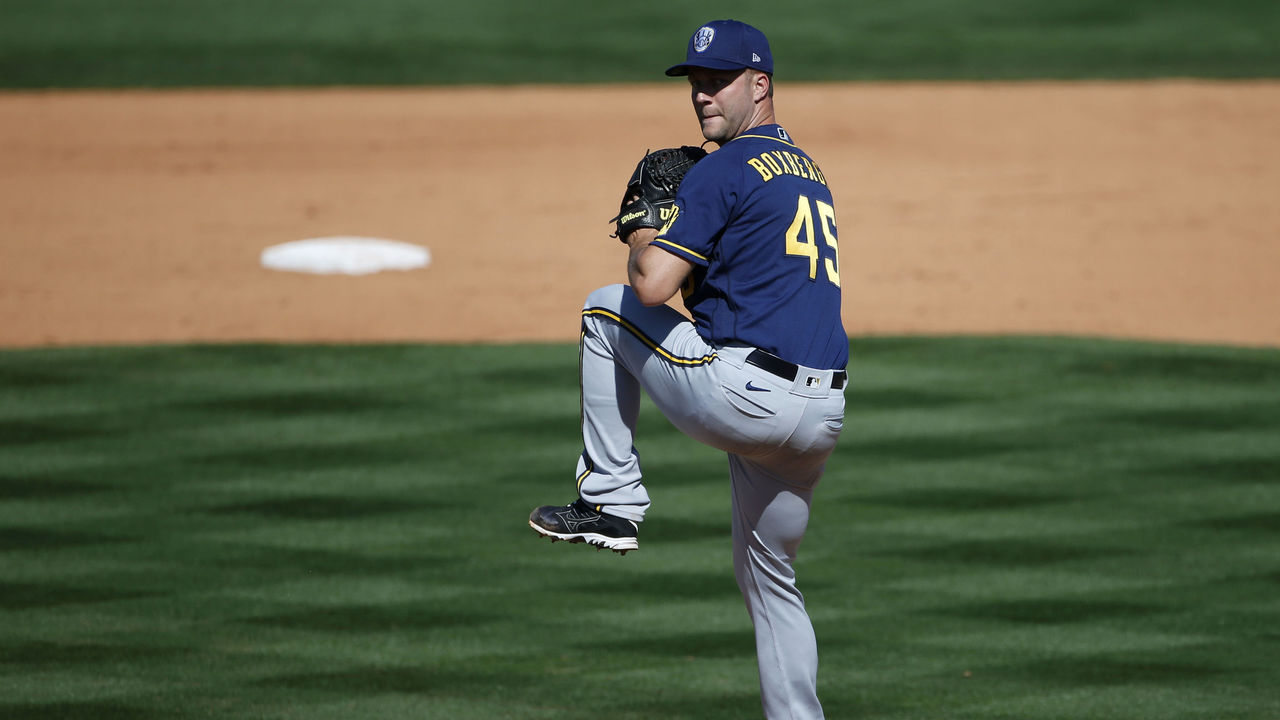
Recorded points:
(768,132)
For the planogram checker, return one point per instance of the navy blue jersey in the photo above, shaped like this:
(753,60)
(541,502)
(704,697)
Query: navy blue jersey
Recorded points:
(757,221)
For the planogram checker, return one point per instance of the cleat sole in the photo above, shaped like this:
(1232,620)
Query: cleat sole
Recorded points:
(600,542)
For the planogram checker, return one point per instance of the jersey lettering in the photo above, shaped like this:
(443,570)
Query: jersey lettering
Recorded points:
(789,163)
(775,163)
(760,168)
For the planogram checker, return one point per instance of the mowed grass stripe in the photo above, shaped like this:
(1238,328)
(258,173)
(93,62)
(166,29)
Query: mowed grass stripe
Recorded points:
(1011,528)
(414,42)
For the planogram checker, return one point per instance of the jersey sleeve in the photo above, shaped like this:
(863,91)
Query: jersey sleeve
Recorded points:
(702,209)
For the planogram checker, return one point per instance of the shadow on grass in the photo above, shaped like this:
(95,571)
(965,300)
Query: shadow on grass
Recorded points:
(28,596)
(1004,553)
(47,487)
(1102,670)
(39,538)
(961,499)
(1049,610)
(54,430)
(409,616)
(85,710)
(426,680)
(698,645)
(318,507)
(29,656)
(1221,470)
(295,403)
(674,585)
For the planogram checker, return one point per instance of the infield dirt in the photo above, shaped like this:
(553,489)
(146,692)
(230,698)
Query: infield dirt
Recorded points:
(1145,210)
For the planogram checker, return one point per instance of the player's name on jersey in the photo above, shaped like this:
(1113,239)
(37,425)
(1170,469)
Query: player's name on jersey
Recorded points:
(773,163)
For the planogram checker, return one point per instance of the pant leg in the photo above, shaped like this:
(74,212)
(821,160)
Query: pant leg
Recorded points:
(777,445)
(626,346)
(772,494)
(769,521)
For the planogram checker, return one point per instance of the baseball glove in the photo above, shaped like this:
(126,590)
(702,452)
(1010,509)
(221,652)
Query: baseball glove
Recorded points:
(651,191)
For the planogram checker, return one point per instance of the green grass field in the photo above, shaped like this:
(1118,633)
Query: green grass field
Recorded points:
(165,43)
(1012,528)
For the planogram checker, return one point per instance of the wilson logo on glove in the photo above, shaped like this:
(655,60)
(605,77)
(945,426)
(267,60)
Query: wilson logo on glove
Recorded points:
(649,201)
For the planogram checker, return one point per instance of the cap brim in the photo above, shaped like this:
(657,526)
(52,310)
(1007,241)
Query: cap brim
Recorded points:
(711,63)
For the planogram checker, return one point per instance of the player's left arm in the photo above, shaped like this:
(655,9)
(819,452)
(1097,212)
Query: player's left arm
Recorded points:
(655,274)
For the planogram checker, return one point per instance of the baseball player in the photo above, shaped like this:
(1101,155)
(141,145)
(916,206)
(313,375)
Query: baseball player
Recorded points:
(749,239)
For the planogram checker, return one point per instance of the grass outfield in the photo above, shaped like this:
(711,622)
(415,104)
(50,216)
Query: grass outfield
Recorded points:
(166,43)
(1012,528)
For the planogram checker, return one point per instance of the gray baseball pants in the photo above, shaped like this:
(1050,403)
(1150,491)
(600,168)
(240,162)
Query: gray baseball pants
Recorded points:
(778,434)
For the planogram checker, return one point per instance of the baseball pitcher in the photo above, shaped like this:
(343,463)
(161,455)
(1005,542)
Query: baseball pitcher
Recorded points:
(747,235)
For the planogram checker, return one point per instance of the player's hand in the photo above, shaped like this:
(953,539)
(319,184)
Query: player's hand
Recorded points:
(644,235)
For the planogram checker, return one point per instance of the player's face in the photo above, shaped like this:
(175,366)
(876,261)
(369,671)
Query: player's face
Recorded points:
(724,102)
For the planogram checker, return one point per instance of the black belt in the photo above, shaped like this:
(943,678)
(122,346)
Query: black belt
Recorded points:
(788,371)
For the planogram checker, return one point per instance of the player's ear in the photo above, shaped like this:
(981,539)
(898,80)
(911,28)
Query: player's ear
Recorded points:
(761,85)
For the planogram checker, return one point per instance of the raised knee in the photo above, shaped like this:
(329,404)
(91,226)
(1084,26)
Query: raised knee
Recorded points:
(608,297)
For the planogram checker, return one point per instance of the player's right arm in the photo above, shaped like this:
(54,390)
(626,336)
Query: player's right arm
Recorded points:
(655,274)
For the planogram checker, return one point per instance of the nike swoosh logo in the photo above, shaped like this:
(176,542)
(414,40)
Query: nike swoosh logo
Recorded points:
(753,388)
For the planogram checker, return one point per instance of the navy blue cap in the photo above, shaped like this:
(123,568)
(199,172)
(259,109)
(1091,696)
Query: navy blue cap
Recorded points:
(726,45)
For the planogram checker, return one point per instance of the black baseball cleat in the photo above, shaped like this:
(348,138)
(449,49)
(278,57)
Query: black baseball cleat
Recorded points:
(579,522)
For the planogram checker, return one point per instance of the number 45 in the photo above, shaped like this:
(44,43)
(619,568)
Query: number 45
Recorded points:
(802,241)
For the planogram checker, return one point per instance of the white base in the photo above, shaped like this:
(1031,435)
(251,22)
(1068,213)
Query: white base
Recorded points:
(345,256)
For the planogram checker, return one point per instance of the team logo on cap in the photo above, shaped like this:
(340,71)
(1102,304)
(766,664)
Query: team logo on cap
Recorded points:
(702,39)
